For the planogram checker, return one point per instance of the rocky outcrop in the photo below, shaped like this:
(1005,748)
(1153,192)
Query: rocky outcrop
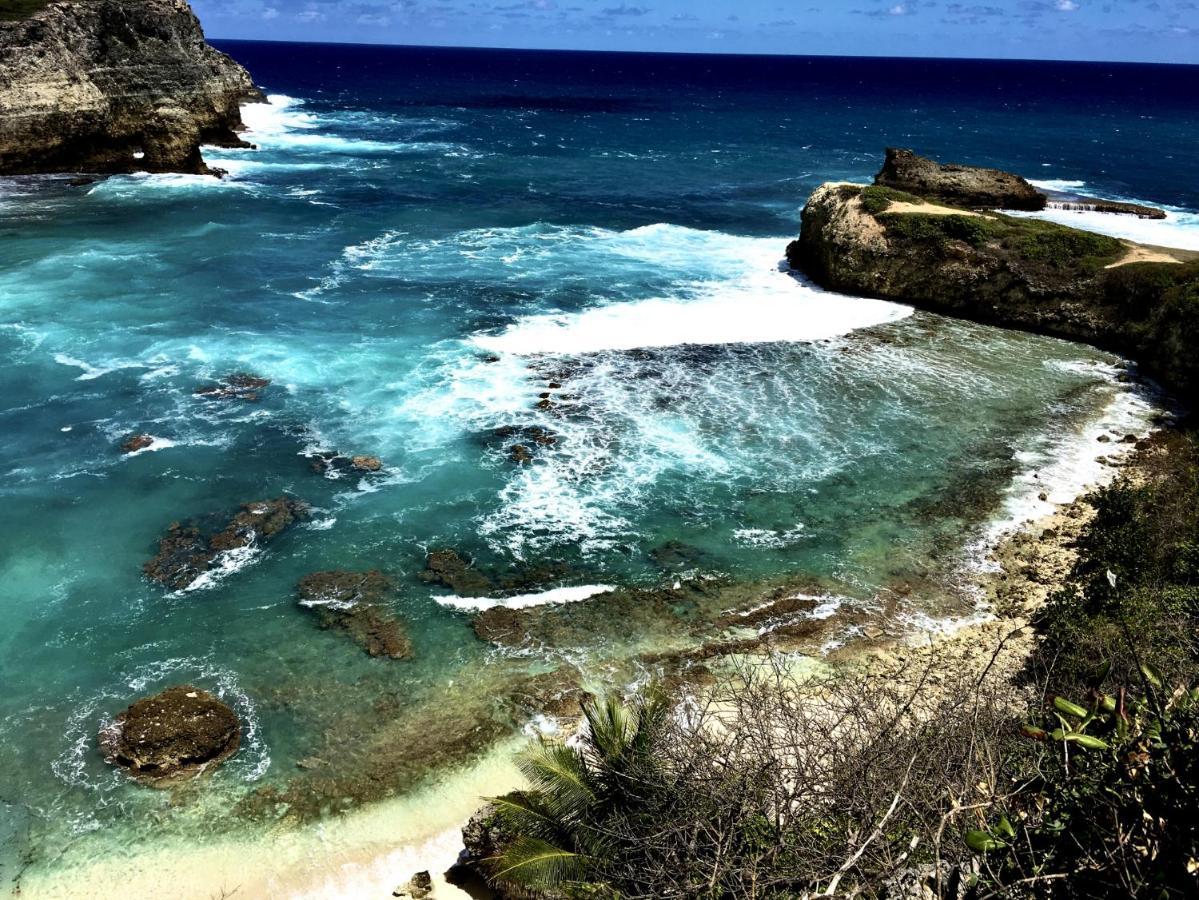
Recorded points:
(968,186)
(185,552)
(179,733)
(238,386)
(352,603)
(115,86)
(1016,272)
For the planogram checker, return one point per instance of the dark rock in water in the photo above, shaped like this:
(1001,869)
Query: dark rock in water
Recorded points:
(501,625)
(185,552)
(366,463)
(676,555)
(519,453)
(969,186)
(181,732)
(114,86)
(136,442)
(240,386)
(447,568)
(557,693)
(81,181)
(1104,438)
(350,602)
(332,464)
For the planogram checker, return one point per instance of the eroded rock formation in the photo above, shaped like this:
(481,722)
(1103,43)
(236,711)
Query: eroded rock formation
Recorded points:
(115,86)
(968,186)
(351,602)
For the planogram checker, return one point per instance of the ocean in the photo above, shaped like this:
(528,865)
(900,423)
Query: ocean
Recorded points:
(435,255)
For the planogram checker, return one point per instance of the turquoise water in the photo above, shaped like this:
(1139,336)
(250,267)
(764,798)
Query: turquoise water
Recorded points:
(413,278)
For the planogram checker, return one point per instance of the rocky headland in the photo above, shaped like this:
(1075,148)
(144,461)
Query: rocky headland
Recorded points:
(113,86)
(931,236)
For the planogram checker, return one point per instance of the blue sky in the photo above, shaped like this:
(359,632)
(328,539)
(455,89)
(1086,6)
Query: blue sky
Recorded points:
(1147,30)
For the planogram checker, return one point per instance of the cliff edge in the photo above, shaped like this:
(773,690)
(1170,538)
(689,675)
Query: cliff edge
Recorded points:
(114,86)
(970,261)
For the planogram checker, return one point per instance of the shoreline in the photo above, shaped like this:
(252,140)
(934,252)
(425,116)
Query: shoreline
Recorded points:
(375,850)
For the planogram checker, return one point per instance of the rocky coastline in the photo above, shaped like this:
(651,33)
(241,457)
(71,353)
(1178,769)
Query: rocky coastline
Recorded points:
(112,86)
(932,237)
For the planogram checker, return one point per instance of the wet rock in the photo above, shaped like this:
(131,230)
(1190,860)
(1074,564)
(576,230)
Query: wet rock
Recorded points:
(136,442)
(1103,439)
(448,569)
(557,693)
(239,386)
(419,887)
(366,463)
(332,464)
(1117,207)
(350,602)
(970,186)
(185,552)
(1129,439)
(180,732)
(520,454)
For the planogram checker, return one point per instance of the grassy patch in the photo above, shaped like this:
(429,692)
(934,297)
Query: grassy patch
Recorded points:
(918,227)
(876,200)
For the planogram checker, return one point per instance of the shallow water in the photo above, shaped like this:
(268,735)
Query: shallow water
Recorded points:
(420,247)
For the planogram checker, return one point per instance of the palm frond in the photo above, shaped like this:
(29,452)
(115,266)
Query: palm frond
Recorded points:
(536,863)
(560,774)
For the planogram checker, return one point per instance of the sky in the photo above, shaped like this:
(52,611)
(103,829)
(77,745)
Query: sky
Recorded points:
(1133,30)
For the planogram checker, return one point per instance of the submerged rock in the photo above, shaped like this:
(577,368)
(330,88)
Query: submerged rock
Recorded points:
(349,602)
(180,732)
(969,186)
(185,553)
(239,386)
(448,569)
(418,887)
(114,86)
(136,442)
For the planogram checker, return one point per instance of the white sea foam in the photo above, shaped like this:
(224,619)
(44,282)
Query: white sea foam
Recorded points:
(156,444)
(1179,229)
(752,301)
(774,539)
(91,372)
(1059,185)
(523,601)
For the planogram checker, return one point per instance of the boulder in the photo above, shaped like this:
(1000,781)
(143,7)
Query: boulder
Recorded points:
(136,442)
(366,463)
(969,186)
(418,887)
(178,733)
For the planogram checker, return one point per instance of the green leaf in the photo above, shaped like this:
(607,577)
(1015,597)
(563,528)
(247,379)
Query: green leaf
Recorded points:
(1005,827)
(532,862)
(982,841)
(1151,675)
(1086,741)
(1061,704)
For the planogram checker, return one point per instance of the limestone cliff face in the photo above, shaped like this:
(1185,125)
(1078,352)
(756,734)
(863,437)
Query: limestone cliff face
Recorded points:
(1016,272)
(970,186)
(114,86)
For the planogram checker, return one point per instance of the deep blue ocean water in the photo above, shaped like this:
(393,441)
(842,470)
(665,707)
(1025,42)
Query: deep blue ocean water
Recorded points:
(423,244)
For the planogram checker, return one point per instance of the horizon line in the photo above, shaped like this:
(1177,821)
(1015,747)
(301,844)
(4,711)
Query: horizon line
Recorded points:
(718,53)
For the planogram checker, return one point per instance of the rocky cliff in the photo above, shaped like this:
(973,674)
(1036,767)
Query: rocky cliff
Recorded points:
(1018,272)
(114,86)
(964,185)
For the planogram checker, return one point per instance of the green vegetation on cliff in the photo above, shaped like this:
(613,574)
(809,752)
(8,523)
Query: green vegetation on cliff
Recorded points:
(1006,270)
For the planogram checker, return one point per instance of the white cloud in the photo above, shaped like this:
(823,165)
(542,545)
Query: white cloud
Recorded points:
(270,13)
(899,9)
(1065,6)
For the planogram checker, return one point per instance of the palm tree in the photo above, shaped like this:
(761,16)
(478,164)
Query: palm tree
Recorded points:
(558,835)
